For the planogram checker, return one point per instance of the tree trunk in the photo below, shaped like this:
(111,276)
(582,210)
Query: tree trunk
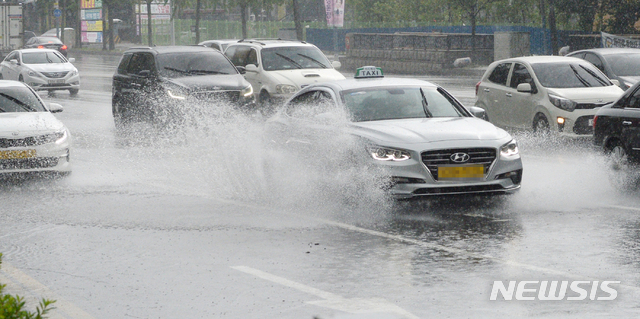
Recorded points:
(198,21)
(149,33)
(297,19)
(243,19)
(552,28)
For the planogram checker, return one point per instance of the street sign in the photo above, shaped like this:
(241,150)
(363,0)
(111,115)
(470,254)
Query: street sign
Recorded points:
(57,13)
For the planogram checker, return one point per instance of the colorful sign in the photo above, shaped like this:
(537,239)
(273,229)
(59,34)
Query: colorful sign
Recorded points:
(91,14)
(90,4)
(91,25)
(91,37)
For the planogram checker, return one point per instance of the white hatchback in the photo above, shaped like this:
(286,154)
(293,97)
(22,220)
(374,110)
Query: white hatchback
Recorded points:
(545,93)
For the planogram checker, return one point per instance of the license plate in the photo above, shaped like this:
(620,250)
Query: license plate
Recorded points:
(475,171)
(17,154)
(590,122)
(56,81)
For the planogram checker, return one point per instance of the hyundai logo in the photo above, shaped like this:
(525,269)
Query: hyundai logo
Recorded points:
(55,75)
(460,157)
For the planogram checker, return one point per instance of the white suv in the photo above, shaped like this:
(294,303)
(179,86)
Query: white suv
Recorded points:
(545,93)
(278,68)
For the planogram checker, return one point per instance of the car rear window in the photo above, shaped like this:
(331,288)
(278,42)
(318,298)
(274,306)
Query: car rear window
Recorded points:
(563,75)
(181,64)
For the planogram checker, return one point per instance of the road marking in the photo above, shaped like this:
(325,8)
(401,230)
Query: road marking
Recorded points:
(624,207)
(22,281)
(353,305)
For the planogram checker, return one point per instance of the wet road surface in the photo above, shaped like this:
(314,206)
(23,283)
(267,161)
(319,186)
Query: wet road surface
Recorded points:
(187,228)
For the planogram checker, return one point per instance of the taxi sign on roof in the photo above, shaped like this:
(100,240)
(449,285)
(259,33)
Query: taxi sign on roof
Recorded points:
(368,72)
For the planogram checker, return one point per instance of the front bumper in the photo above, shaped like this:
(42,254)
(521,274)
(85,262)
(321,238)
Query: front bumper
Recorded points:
(412,178)
(69,82)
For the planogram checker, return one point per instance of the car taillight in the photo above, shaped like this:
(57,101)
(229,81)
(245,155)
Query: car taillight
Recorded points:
(595,118)
(41,47)
(477,86)
(63,47)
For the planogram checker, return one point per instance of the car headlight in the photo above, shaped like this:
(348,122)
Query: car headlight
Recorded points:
(74,72)
(175,95)
(509,149)
(285,89)
(388,154)
(33,74)
(248,91)
(562,103)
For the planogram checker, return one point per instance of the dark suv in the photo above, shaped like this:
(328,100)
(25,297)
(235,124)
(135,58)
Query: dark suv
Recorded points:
(161,83)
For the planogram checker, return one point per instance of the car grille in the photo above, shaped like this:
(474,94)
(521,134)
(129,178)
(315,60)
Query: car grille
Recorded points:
(217,96)
(589,106)
(28,163)
(483,156)
(582,125)
(27,141)
(55,75)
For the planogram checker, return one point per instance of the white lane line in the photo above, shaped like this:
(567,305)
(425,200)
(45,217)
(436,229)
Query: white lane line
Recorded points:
(63,308)
(625,208)
(351,305)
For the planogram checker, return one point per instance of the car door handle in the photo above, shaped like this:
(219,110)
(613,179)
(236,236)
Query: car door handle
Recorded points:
(509,94)
(487,90)
(627,122)
(136,84)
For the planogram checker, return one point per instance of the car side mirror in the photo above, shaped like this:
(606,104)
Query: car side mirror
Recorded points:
(478,112)
(524,88)
(71,60)
(251,68)
(14,61)
(241,69)
(55,108)
(336,65)
(615,82)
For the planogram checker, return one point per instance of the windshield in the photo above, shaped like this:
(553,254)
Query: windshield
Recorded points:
(563,75)
(626,64)
(399,103)
(19,99)
(287,58)
(176,65)
(42,57)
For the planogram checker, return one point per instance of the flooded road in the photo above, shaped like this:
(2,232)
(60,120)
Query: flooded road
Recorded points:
(187,227)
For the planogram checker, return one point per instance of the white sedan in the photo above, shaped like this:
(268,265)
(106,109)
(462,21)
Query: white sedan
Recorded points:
(31,138)
(42,69)
(427,142)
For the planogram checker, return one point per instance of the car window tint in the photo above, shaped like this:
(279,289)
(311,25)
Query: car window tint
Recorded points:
(521,75)
(20,99)
(11,56)
(124,62)
(500,74)
(625,64)
(239,55)
(634,100)
(252,57)
(595,60)
(569,75)
(42,57)
(215,46)
(180,64)
(311,104)
(140,62)
(288,58)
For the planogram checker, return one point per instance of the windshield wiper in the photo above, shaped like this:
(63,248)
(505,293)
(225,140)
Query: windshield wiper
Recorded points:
(313,60)
(205,72)
(582,80)
(177,70)
(602,81)
(425,105)
(21,104)
(290,60)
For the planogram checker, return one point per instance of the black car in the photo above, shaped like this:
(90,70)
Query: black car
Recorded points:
(159,84)
(47,43)
(621,64)
(617,127)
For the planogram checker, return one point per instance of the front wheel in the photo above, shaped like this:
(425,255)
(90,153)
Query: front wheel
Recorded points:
(541,125)
(73,91)
(266,103)
(622,175)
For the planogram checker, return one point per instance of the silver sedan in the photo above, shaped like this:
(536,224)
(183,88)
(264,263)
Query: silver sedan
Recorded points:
(426,141)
